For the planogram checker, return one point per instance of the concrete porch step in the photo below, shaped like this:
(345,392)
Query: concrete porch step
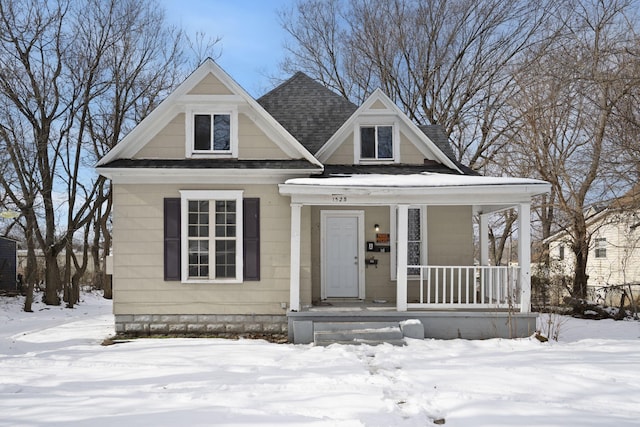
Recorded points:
(371,333)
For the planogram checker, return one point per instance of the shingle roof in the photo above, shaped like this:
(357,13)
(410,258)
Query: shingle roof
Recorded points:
(308,110)
(210,164)
(437,135)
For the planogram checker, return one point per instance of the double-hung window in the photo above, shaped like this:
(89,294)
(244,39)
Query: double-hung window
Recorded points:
(211,133)
(212,236)
(601,247)
(376,142)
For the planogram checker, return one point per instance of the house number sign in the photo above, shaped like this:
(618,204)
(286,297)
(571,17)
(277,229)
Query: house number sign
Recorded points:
(338,198)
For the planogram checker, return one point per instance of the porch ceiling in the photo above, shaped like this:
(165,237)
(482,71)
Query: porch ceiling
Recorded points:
(423,188)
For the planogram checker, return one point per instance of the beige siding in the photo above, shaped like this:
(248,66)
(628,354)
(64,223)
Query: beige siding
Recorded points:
(450,235)
(139,287)
(210,85)
(343,154)
(253,143)
(378,105)
(409,154)
(169,143)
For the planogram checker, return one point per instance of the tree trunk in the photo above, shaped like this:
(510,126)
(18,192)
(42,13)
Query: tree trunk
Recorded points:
(581,251)
(28,300)
(52,277)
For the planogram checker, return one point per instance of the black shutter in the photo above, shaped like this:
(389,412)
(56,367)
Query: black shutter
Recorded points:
(172,239)
(251,238)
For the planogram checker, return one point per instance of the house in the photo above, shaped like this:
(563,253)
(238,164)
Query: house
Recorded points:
(614,248)
(300,209)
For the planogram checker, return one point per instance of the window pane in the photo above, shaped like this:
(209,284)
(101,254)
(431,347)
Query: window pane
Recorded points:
(221,132)
(202,132)
(414,224)
(225,258)
(368,142)
(385,142)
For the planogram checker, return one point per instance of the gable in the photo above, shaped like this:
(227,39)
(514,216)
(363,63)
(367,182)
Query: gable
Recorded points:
(210,85)
(170,131)
(379,119)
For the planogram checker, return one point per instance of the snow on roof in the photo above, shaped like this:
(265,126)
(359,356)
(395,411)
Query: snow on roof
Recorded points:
(425,179)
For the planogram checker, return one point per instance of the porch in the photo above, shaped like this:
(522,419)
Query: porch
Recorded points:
(430,220)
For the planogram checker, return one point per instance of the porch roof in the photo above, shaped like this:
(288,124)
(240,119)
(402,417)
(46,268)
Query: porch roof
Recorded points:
(417,188)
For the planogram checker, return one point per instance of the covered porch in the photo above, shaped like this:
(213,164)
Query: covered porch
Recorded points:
(451,296)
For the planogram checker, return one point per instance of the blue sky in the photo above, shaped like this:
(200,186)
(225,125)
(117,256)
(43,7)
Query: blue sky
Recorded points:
(252,38)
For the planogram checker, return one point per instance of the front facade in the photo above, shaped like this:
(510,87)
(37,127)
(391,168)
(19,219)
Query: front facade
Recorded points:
(235,215)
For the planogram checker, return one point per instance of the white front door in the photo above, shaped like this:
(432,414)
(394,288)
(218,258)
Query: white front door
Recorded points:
(342,255)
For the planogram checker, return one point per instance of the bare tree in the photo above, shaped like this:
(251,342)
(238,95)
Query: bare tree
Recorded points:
(74,77)
(565,103)
(443,62)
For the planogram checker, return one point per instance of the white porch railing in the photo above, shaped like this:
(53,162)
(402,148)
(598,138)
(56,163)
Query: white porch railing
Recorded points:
(463,287)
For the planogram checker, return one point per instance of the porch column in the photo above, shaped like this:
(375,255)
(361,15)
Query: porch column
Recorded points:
(401,274)
(484,239)
(294,285)
(524,255)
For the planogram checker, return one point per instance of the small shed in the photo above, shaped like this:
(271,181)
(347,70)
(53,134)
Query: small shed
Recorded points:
(8,263)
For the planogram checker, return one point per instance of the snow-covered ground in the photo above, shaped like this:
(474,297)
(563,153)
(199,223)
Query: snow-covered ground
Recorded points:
(54,372)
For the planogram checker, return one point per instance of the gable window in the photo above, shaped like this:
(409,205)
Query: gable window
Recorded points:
(211,133)
(601,247)
(212,238)
(376,142)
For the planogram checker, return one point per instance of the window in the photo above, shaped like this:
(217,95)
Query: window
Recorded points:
(197,216)
(561,252)
(211,133)
(601,247)
(414,243)
(416,240)
(376,142)
(212,237)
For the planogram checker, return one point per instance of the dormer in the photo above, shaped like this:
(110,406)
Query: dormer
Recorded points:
(378,133)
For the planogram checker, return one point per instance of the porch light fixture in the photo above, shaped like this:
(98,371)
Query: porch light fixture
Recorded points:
(377,227)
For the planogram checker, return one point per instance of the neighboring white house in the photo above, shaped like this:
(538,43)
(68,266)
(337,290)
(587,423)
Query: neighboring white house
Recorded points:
(614,248)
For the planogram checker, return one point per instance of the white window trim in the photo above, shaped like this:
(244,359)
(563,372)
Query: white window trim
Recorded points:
(185,197)
(381,121)
(393,215)
(190,114)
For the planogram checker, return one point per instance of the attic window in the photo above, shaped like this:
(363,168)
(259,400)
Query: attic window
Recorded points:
(376,142)
(211,133)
